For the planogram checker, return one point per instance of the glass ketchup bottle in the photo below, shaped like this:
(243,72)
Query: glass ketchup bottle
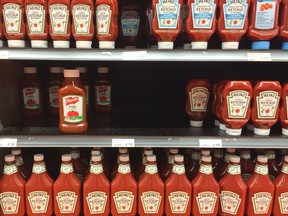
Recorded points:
(167,169)
(140,171)
(151,190)
(79,166)
(280,206)
(39,189)
(20,163)
(197,100)
(232,190)
(224,167)
(72,104)
(205,196)
(167,22)
(37,22)
(67,190)
(273,168)
(124,189)
(54,84)
(265,106)
(106,23)
(283,116)
(193,165)
(178,190)
(201,22)
(96,190)
(247,166)
(260,190)
(12,189)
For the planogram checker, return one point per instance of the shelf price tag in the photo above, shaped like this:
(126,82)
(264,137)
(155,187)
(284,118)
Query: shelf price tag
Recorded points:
(210,143)
(134,55)
(4,54)
(259,57)
(6,142)
(123,143)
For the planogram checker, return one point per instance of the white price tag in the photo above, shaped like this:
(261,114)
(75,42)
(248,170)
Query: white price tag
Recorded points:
(210,143)
(259,56)
(134,55)
(4,54)
(5,142)
(123,142)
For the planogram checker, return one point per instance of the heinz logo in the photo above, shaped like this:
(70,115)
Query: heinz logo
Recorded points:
(71,100)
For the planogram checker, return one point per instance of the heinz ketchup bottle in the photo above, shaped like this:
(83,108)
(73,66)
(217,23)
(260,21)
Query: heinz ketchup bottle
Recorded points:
(247,166)
(169,165)
(20,163)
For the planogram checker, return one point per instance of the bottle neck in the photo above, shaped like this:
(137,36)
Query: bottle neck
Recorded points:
(261,168)
(10,168)
(75,81)
(124,168)
(96,168)
(151,168)
(206,168)
(39,167)
(234,168)
(178,168)
(66,167)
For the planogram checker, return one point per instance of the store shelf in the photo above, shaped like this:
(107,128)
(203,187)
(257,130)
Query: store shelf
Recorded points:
(144,55)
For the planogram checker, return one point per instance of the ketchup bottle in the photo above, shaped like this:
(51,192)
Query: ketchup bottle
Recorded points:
(115,167)
(150,190)
(194,164)
(232,190)
(152,43)
(223,169)
(12,189)
(217,158)
(260,190)
(93,153)
(247,166)
(54,84)
(283,24)
(67,189)
(78,164)
(20,163)
(283,116)
(178,190)
(124,189)
(39,189)
(140,171)
(205,197)
(280,206)
(166,171)
(96,189)
(273,167)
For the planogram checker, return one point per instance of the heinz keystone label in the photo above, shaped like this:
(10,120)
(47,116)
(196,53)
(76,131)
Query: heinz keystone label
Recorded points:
(261,169)
(199,97)
(66,201)
(59,15)
(261,202)
(206,169)
(178,202)
(39,168)
(206,202)
(82,18)
(151,169)
(267,104)
(97,202)
(31,98)
(230,202)
(103,19)
(73,108)
(10,169)
(123,201)
(168,12)
(12,16)
(66,168)
(178,169)
(203,13)
(234,169)
(237,103)
(10,202)
(235,14)
(38,201)
(283,202)
(35,14)
(151,201)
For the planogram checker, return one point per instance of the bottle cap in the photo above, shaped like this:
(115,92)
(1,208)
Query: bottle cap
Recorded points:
(148,152)
(84,44)
(261,132)
(9,158)
(173,150)
(16,151)
(284,46)
(260,45)
(1,43)
(206,158)
(230,45)
(216,123)
(66,157)
(222,126)
(231,150)
(151,158)
(233,132)
(16,43)
(196,123)
(123,150)
(39,44)
(245,154)
(56,70)
(38,157)
(124,157)
(286,158)
(178,158)
(95,152)
(30,70)
(102,70)
(106,44)
(81,69)
(285,131)
(61,44)
(234,159)
(165,45)
(205,152)
(187,46)
(70,73)
(199,45)
(262,159)
(96,158)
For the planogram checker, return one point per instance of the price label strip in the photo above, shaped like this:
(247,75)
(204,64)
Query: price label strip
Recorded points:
(259,57)
(6,142)
(134,55)
(4,54)
(210,143)
(123,143)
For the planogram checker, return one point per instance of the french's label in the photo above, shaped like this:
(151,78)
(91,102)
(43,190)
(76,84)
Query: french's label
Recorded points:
(234,169)
(151,169)
(178,202)
(261,202)
(238,102)
(168,12)
(59,15)
(53,96)
(206,169)
(265,14)
(267,104)
(151,201)
(199,97)
(283,202)
(66,168)
(123,201)
(206,202)
(82,16)
(10,202)
(31,98)
(66,201)
(261,169)
(103,19)
(10,169)
(235,14)
(230,202)
(203,12)
(178,169)
(12,15)
(39,168)
(97,201)
(103,95)
(73,108)
(96,168)
(124,168)
(38,201)
(130,23)
(35,14)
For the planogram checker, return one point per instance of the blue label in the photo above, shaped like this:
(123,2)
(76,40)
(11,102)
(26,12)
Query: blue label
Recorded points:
(168,14)
(130,23)
(235,14)
(265,14)
(203,13)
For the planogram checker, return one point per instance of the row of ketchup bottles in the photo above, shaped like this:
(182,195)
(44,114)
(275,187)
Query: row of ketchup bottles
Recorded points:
(150,195)
(235,103)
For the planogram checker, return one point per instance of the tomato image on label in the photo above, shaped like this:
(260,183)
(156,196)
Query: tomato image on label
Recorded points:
(73,108)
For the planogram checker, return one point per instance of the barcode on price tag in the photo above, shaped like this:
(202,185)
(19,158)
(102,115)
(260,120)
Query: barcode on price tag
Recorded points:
(134,55)
(210,143)
(5,142)
(123,142)
(259,56)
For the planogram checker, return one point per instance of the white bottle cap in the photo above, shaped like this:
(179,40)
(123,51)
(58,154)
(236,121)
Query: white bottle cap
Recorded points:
(261,132)
(230,45)
(38,157)
(1,43)
(205,152)
(231,150)
(30,70)
(234,159)
(148,152)
(123,150)
(56,70)
(199,45)
(84,44)
(96,158)
(9,158)
(216,123)
(285,131)
(61,44)
(106,44)
(222,126)
(233,132)
(39,44)
(151,158)
(70,73)
(262,158)
(124,157)
(102,70)
(16,43)
(82,69)
(66,157)
(206,158)
(187,46)
(165,45)
(196,123)
(178,158)
(286,158)
(173,150)
(16,151)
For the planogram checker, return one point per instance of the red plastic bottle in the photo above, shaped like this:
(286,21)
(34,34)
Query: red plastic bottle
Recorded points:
(273,168)
(217,158)
(194,164)
(20,163)
(247,166)
(223,169)
(78,164)
(115,167)
(140,171)
(166,171)
(283,117)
